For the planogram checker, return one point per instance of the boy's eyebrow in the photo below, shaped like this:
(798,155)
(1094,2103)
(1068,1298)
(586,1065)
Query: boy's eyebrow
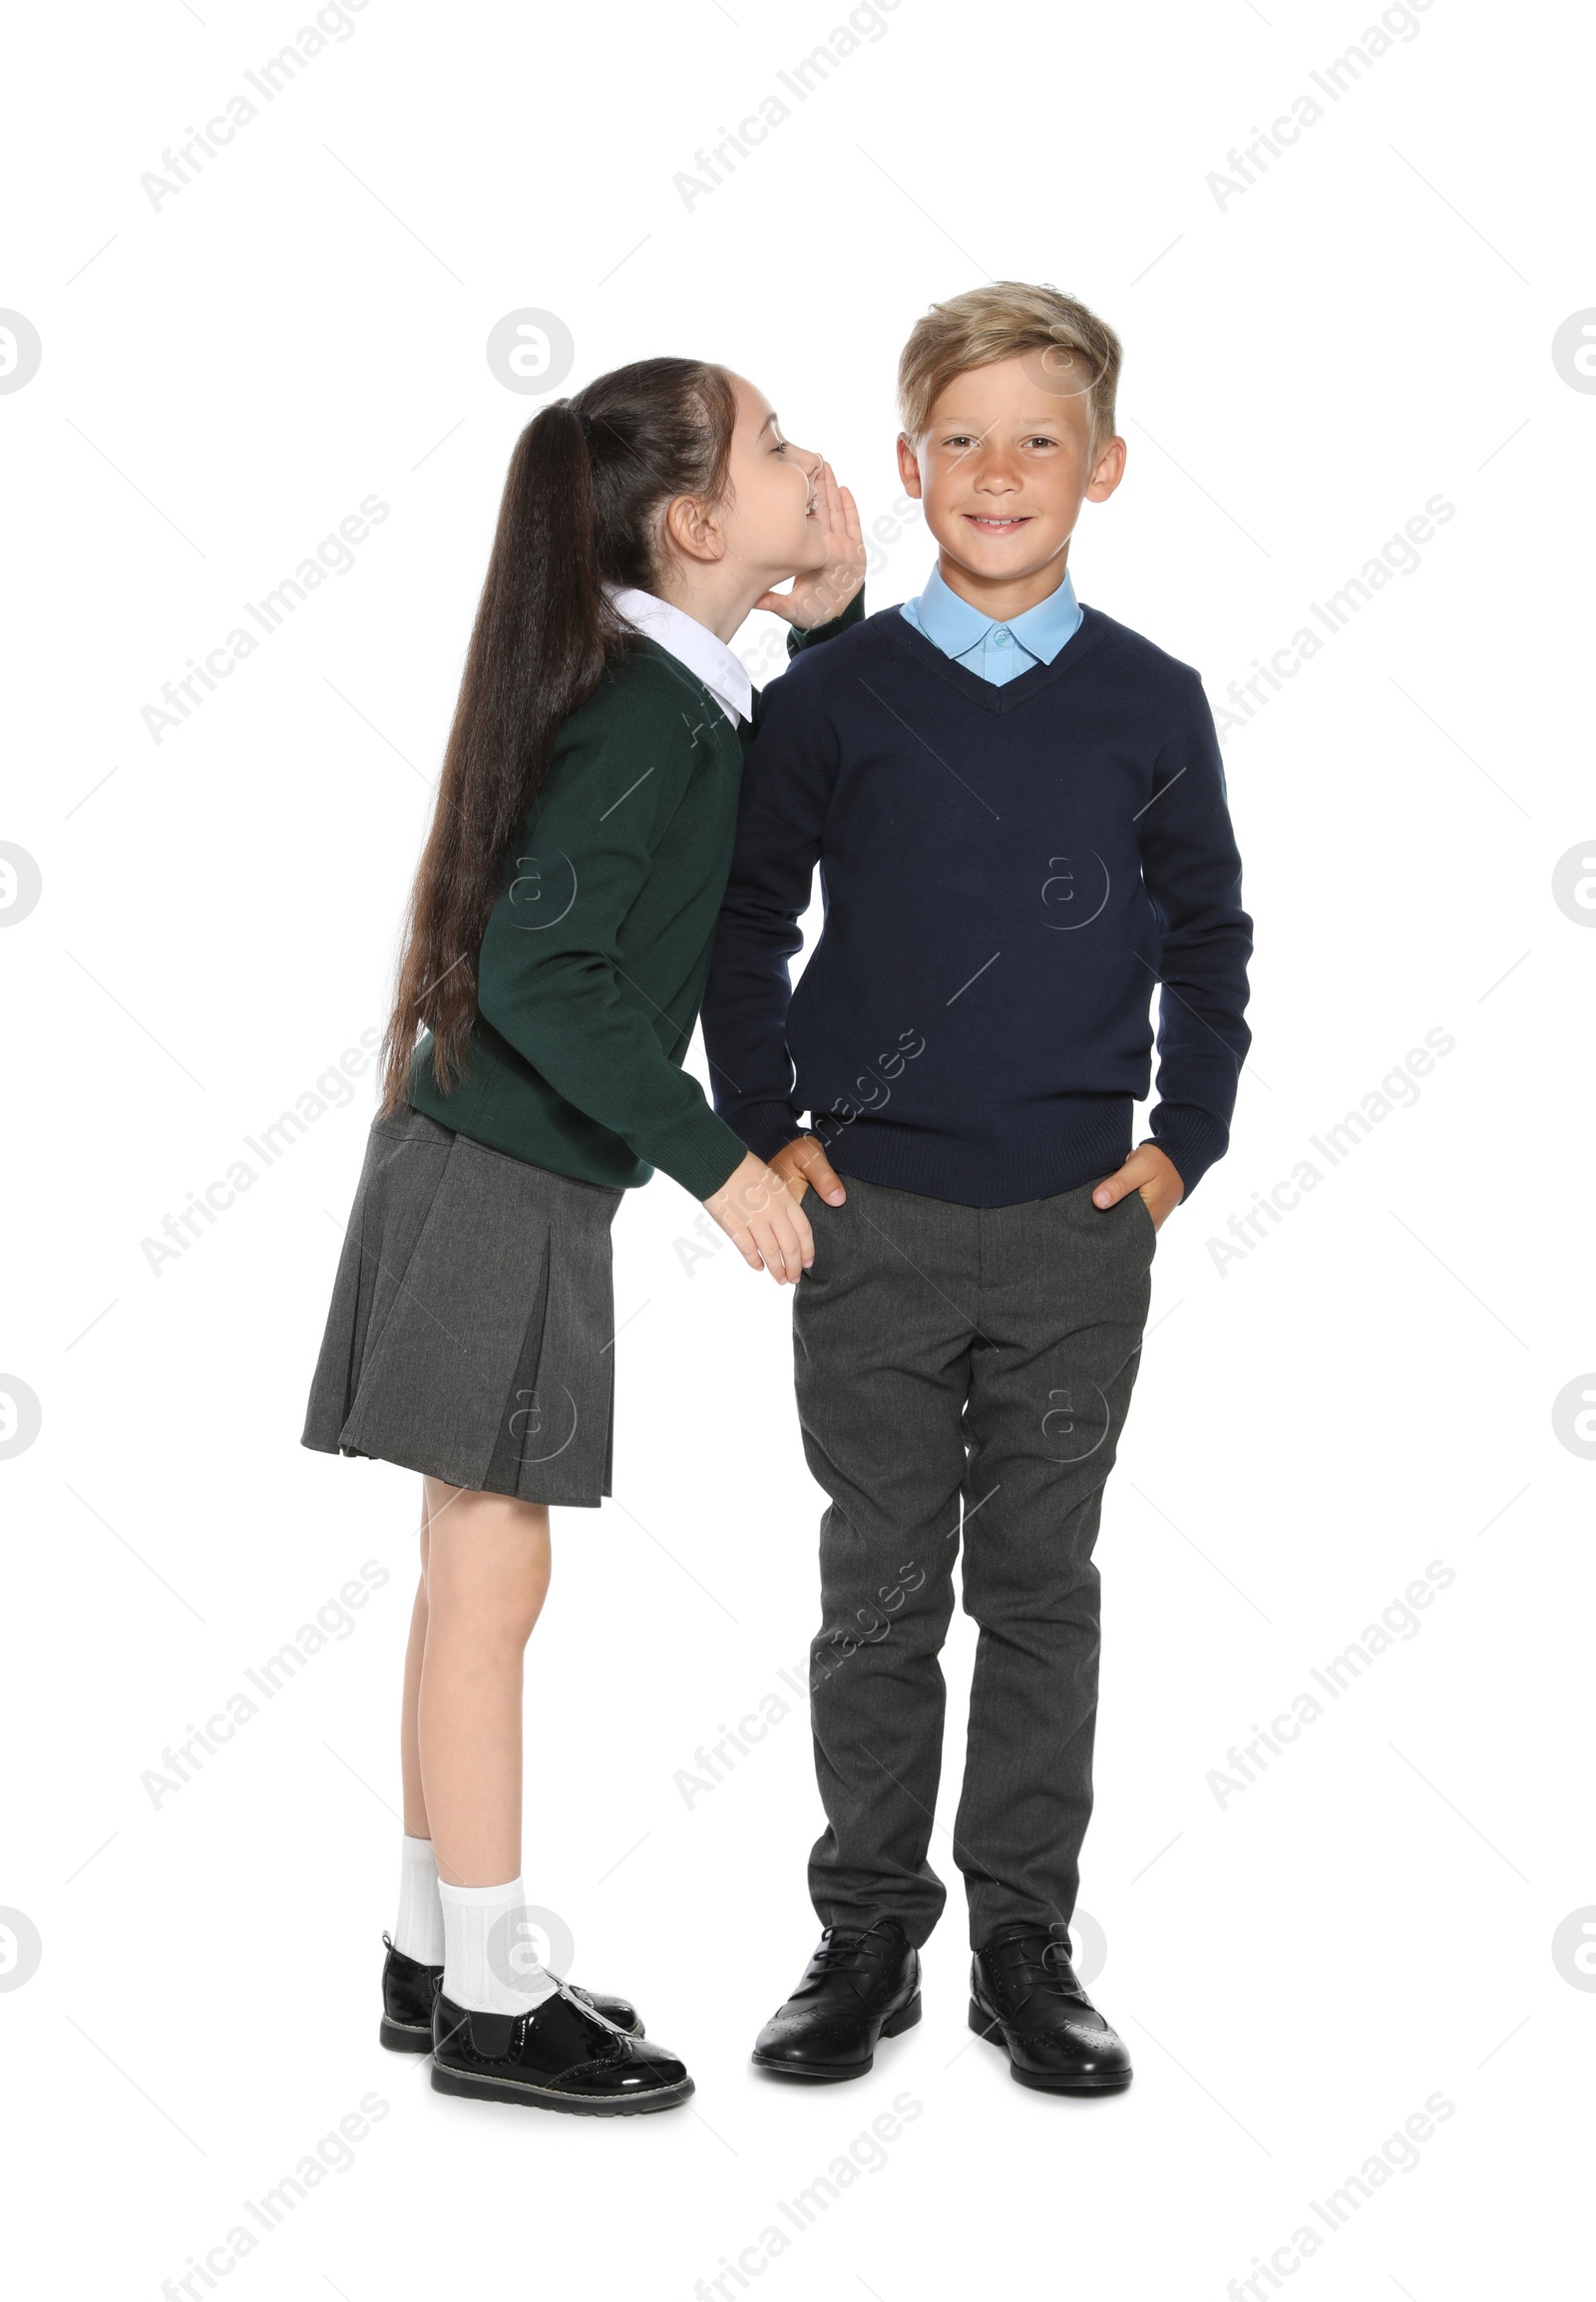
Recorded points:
(960,424)
(1042,423)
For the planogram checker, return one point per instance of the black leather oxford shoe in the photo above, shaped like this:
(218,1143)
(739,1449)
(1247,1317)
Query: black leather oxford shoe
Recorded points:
(561,2056)
(1023,1996)
(861,1985)
(409,1988)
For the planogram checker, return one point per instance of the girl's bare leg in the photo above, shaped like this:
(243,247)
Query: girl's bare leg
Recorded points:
(485,1578)
(409,1741)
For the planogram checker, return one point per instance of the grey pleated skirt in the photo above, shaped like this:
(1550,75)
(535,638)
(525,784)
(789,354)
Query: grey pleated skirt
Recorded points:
(472,1329)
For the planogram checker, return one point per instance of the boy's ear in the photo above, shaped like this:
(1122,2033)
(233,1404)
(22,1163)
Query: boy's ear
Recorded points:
(693,530)
(1107,472)
(907,466)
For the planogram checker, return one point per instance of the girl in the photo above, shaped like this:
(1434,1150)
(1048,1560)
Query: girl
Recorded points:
(556,952)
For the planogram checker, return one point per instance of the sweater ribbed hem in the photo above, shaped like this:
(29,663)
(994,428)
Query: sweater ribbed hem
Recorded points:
(1082,1144)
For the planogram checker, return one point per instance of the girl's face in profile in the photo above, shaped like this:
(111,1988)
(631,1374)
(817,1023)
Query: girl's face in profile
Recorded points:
(769,519)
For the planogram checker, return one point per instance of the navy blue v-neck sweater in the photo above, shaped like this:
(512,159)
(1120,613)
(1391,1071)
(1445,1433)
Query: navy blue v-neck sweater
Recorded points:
(1007,874)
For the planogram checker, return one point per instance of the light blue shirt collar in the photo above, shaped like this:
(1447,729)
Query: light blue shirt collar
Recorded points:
(996,652)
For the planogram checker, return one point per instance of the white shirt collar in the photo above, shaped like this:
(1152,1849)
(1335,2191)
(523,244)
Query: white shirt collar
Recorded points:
(692,643)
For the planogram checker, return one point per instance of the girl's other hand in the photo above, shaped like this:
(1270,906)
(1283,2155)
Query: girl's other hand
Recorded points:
(821,594)
(763,1222)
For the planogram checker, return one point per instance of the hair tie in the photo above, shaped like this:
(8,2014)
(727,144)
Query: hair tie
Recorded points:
(583,419)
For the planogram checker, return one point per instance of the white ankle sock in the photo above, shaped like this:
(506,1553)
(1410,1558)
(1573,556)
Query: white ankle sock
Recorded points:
(490,1964)
(418,1930)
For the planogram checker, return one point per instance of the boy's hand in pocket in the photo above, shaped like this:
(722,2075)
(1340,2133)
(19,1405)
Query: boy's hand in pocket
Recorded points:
(1151,1172)
(803,1166)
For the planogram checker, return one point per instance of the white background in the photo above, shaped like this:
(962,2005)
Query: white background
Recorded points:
(225,376)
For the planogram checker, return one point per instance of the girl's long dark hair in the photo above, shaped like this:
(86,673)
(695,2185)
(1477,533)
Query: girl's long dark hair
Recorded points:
(588,485)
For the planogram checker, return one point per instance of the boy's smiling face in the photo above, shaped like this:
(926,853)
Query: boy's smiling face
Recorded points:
(1002,470)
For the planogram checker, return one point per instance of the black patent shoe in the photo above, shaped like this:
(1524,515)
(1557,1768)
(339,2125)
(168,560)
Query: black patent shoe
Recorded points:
(1023,1996)
(862,1984)
(563,2055)
(409,1988)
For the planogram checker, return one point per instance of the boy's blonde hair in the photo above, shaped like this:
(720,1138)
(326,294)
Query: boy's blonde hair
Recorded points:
(1077,352)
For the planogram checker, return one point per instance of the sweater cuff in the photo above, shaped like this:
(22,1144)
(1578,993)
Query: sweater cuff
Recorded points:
(769,1127)
(1192,1139)
(700,1153)
(854,612)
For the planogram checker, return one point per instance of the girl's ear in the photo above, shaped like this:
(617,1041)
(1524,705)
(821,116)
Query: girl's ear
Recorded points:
(692,529)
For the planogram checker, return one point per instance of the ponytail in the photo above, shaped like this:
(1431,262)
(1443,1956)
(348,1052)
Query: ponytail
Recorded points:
(537,652)
(584,505)
(587,483)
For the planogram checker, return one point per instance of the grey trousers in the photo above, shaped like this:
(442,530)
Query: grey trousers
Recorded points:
(961,1371)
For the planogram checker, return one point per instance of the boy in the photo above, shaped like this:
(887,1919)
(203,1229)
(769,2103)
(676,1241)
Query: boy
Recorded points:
(1018,813)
